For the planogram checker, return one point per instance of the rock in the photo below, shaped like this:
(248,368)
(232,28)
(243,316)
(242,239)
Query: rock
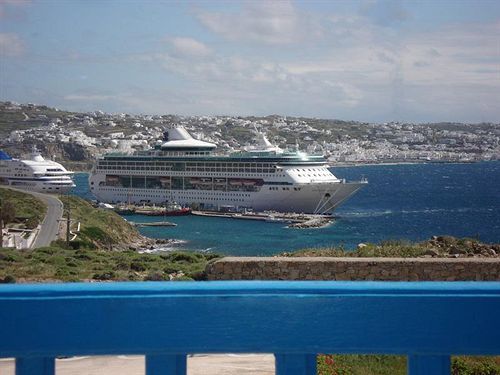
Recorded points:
(455,250)
(431,252)
(492,252)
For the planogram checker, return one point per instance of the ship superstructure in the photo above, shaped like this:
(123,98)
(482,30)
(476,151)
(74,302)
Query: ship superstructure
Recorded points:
(187,171)
(35,174)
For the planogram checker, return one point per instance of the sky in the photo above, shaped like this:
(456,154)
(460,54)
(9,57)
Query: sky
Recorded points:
(367,60)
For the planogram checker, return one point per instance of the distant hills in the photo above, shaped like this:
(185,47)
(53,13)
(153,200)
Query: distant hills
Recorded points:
(77,137)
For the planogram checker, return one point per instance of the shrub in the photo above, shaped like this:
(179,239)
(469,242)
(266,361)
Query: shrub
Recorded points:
(110,275)
(8,280)
(137,266)
(185,257)
(156,276)
(96,234)
(171,268)
(198,276)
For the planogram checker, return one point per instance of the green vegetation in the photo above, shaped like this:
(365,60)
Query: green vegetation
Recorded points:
(99,229)
(28,210)
(361,364)
(59,263)
(396,365)
(15,119)
(441,246)
(94,254)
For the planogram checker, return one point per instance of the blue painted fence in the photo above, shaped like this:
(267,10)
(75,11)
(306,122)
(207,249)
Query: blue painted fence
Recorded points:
(428,321)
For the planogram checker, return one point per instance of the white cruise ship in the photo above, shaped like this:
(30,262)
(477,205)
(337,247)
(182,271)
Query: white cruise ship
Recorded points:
(186,170)
(35,174)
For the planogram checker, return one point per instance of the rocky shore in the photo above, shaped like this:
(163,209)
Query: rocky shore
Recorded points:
(451,247)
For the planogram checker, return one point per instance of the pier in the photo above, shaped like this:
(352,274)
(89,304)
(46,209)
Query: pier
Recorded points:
(154,224)
(295,220)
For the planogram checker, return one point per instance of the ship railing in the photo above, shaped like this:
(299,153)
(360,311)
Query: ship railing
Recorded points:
(426,321)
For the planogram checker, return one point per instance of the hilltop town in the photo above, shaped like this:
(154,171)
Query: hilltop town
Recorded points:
(77,138)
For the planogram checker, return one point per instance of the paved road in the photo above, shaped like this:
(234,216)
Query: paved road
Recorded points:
(221,364)
(50,225)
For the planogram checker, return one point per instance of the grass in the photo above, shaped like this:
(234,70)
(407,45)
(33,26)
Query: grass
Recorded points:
(28,209)
(99,228)
(57,263)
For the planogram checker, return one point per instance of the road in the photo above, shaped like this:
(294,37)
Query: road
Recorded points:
(50,226)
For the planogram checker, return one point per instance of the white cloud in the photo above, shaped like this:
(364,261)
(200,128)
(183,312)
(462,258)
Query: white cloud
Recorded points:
(87,97)
(269,22)
(189,47)
(11,45)
(286,61)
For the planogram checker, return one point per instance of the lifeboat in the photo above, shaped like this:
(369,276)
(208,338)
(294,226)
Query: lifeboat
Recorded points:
(235,182)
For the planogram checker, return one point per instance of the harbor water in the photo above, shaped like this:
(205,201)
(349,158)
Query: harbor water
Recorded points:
(406,201)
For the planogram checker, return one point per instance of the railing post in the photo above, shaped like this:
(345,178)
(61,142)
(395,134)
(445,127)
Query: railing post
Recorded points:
(166,364)
(35,366)
(429,365)
(295,364)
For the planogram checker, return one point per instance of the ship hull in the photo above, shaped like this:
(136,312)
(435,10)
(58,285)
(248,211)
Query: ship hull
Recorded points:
(301,198)
(37,186)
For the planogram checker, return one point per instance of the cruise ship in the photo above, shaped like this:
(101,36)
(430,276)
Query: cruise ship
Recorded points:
(35,174)
(188,171)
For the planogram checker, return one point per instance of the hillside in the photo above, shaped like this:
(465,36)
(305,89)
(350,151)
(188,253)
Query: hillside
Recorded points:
(100,229)
(103,250)
(76,138)
(29,210)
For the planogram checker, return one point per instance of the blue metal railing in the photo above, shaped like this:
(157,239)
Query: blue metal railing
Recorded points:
(428,321)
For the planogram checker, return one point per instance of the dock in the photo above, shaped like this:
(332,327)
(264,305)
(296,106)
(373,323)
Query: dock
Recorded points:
(295,220)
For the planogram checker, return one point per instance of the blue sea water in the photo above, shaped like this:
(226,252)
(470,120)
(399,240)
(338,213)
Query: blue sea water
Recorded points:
(409,201)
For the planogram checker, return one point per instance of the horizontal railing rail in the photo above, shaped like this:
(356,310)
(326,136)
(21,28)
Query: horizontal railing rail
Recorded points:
(427,321)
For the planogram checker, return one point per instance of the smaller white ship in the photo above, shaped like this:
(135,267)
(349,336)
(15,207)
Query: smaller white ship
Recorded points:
(35,174)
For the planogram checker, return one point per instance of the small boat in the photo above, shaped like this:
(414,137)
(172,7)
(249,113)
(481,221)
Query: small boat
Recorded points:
(169,210)
(178,212)
(174,209)
(124,209)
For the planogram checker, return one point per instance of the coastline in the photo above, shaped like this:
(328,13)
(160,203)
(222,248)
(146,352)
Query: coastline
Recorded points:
(375,164)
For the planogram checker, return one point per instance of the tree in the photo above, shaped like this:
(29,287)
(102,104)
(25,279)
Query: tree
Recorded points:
(7,212)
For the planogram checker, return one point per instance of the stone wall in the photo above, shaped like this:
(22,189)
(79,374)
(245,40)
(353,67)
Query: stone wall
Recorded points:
(383,269)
